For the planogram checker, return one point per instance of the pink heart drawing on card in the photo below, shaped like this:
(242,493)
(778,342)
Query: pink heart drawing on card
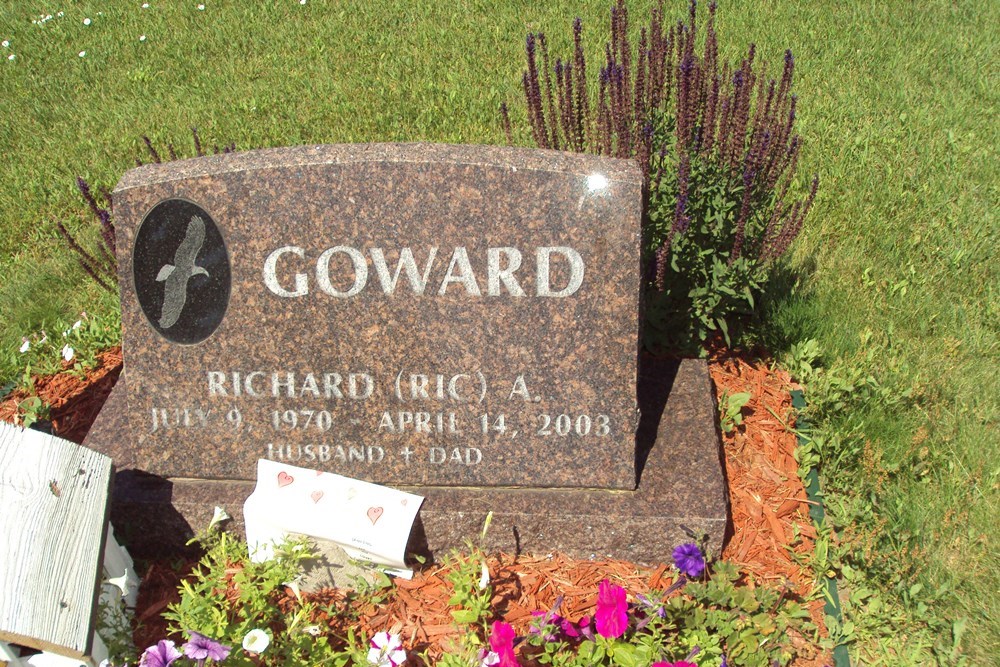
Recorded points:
(403,502)
(319,472)
(284,479)
(316,495)
(374,513)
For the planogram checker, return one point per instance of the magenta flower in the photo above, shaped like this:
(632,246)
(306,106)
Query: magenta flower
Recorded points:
(611,618)
(160,654)
(689,559)
(201,648)
(679,663)
(502,643)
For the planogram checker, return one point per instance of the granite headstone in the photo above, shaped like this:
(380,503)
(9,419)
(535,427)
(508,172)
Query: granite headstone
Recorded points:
(403,314)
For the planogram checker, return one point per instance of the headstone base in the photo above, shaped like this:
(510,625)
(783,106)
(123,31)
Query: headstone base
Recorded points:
(681,488)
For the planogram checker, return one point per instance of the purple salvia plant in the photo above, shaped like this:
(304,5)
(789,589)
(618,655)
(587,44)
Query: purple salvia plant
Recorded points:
(733,121)
(101,268)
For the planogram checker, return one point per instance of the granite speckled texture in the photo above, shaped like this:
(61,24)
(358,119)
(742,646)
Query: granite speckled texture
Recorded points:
(681,484)
(559,370)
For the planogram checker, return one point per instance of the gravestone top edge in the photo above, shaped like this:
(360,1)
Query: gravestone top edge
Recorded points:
(529,159)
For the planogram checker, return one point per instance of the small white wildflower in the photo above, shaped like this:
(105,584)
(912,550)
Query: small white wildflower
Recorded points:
(83,54)
(25,346)
(66,333)
(48,17)
(142,38)
(201,8)
(302,2)
(77,324)
(60,14)
(67,352)
(45,337)
(256,641)
(312,630)
(11,57)
(86,21)
(145,5)
(5,43)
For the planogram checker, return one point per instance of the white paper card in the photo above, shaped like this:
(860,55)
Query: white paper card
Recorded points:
(371,522)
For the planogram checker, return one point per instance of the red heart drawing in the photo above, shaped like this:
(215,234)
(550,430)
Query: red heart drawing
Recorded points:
(284,479)
(374,513)
(316,495)
(319,472)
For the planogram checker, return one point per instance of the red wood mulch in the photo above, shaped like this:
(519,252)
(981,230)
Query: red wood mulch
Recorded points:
(769,507)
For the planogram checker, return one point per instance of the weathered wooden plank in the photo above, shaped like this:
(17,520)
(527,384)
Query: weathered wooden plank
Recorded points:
(53,514)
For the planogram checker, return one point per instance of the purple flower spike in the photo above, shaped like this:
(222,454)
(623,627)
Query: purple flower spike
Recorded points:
(160,654)
(689,559)
(201,648)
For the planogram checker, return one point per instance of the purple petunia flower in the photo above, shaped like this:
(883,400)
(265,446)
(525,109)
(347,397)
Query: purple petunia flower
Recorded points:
(201,648)
(689,559)
(160,654)
(611,617)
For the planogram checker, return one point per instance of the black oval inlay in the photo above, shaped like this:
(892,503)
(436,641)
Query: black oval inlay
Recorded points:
(181,271)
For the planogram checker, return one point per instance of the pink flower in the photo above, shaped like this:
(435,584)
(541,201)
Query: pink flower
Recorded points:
(611,618)
(502,643)
(679,663)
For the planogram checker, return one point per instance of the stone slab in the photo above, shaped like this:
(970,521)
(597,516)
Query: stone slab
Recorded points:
(681,486)
(269,310)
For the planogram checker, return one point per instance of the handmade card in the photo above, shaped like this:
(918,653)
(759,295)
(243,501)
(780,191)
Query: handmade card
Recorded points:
(371,522)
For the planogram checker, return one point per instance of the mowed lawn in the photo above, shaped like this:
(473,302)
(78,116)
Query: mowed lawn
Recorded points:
(898,264)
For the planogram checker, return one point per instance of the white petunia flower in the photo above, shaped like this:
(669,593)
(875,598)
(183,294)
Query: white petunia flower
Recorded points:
(67,352)
(386,651)
(218,516)
(484,579)
(256,641)
(25,346)
(86,21)
(294,585)
(121,582)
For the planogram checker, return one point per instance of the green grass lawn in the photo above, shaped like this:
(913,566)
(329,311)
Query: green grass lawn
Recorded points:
(898,107)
